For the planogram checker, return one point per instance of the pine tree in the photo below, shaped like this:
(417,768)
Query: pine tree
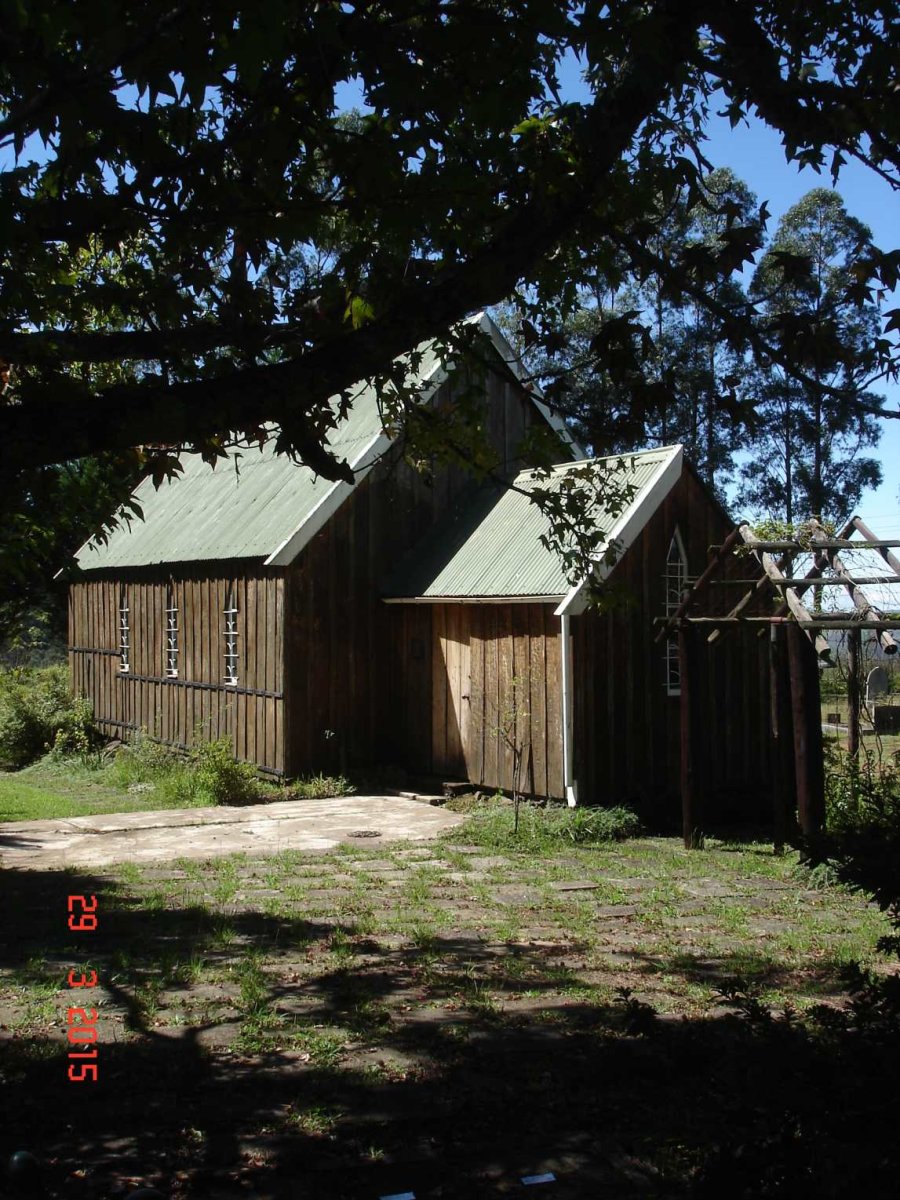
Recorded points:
(808,454)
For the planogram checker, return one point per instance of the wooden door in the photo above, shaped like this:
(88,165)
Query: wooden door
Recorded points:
(451,709)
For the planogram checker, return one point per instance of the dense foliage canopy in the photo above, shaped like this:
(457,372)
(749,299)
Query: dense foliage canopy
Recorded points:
(789,429)
(255,250)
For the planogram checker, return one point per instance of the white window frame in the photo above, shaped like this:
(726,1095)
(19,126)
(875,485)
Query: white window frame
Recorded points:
(675,581)
(172,647)
(124,631)
(230,634)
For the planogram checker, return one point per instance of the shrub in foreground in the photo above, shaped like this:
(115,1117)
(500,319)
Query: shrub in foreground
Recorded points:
(39,714)
(861,842)
(221,777)
(208,774)
(861,796)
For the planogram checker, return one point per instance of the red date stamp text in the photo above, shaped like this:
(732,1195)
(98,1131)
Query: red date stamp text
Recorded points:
(82,1021)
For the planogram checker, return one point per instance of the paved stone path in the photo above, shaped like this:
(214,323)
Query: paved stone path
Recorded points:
(208,832)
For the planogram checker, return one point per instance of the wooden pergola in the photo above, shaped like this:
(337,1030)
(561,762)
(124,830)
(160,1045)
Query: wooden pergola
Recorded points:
(797,643)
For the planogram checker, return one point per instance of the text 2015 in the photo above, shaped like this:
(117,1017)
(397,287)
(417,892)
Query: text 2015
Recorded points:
(82,1022)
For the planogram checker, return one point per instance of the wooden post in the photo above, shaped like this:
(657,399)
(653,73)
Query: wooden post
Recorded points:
(690,806)
(807,720)
(781,728)
(854,657)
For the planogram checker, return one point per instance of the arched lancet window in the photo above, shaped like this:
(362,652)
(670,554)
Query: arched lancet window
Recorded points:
(676,580)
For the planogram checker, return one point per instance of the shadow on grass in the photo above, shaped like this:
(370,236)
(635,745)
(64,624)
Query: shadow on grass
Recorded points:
(761,972)
(435,1089)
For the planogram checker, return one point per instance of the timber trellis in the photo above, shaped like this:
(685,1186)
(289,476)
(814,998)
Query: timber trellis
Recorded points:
(797,643)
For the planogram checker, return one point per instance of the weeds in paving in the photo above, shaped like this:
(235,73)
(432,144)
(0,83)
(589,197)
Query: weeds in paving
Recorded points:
(319,1046)
(508,929)
(314,1120)
(144,1006)
(444,976)
(341,947)
(368,1018)
(222,934)
(37,1006)
(129,874)
(544,829)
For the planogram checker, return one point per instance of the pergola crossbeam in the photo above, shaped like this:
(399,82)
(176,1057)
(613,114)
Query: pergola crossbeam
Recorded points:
(814,622)
(802,582)
(793,601)
(861,602)
(891,559)
(794,703)
(795,547)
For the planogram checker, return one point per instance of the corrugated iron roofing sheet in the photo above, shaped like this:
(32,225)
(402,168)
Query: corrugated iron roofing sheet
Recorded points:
(247,506)
(493,548)
(242,508)
(254,503)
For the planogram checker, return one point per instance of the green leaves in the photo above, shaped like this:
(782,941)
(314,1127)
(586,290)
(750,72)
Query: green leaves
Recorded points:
(154,140)
(621,341)
(358,312)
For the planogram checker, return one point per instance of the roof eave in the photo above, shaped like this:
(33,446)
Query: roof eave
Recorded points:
(513,599)
(628,527)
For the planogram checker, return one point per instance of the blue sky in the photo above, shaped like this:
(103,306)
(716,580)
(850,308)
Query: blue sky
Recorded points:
(754,152)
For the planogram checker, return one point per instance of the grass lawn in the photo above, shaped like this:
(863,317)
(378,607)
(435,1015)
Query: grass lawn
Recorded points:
(71,787)
(445,1018)
(44,791)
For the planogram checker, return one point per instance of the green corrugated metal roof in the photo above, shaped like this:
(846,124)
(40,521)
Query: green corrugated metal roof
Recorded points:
(493,548)
(254,503)
(244,507)
(248,506)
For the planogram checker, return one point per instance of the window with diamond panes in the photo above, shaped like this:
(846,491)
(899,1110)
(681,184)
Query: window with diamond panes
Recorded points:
(124,631)
(172,647)
(231,637)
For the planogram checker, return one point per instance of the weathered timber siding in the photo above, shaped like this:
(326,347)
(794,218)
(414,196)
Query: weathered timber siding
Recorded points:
(626,736)
(358,671)
(198,704)
(496,695)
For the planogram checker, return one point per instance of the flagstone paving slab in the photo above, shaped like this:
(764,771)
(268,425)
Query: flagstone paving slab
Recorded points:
(202,833)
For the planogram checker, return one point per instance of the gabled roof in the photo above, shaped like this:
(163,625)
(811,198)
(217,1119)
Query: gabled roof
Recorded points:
(245,507)
(493,548)
(661,477)
(260,505)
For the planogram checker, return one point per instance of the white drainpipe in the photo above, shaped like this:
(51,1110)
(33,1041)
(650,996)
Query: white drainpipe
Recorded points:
(568,709)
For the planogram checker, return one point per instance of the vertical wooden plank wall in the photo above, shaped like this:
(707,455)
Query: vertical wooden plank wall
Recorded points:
(350,665)
(321,655)
(627,726)
(513,684)
(198,705)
